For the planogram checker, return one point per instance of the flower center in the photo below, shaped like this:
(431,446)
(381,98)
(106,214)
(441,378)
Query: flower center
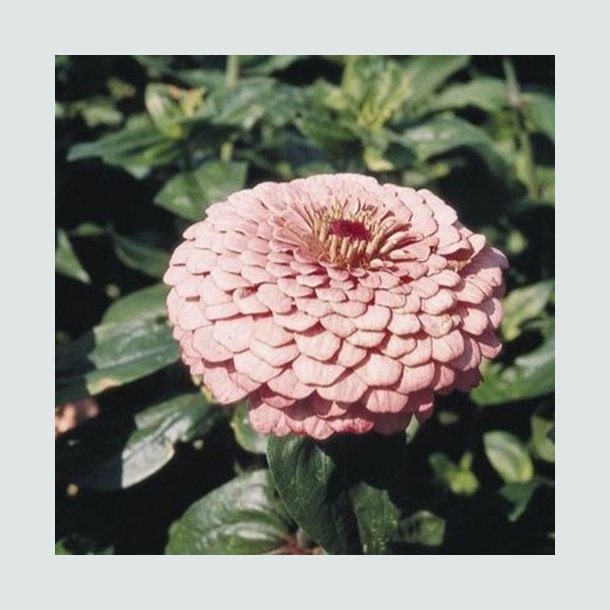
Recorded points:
(350,229)
(355,238)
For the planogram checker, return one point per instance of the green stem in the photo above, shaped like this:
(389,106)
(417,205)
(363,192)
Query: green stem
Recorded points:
(525,144)
(231,76)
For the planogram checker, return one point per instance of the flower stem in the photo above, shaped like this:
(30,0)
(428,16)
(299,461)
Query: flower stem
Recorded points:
(515,100)
(231,76)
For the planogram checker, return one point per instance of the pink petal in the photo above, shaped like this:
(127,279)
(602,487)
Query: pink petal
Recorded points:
(339,325)
(221,311)
(297,320)
(395,346)
(320,344)
(234,334)
(314,372)
(314,307)
(253,366)
(287,384)
(349,309)
(436,326)
(349,355)
(228,281)
(225,391)
(404,324)
(268,420)
(416,378)
(421,354)
(271,296)
(208,347)
(366,338)
(330,295)
(348,388)
(247,302)
(378,370)
(256,275)
(375,318)
(381,400)
(290,287)
(439,303)
(191,316)
(271,333)
(275,356)
(201,261)
(210,293)
(389,299)
(449,347)
(361,294)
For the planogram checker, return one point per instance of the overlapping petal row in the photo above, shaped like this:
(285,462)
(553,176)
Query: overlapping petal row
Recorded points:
(328,325)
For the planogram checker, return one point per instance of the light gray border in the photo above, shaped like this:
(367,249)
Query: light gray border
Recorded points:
(33,35)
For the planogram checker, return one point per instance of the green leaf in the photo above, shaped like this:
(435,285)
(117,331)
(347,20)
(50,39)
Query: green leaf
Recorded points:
(312,485)
(530,376)
(138,255)
(242,517)
(247,438)
(66,261)
(263,65)
(459,478)
(164,110)
(539,108)
(425,74)
(120,452)
(523,304)
(134,148)
(188,195)
(542,441)
(376,469)
(112,355)
(422,528)
(509,456)
(373,87)
(144,304)
(443,134)
(519,496)
(486,93)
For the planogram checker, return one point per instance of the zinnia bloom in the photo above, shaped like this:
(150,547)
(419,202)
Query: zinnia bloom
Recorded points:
(334,303)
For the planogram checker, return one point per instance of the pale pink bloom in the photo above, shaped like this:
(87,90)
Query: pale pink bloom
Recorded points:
(334,304)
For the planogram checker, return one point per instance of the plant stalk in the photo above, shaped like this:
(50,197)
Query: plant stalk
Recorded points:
(525,144)
(231,77)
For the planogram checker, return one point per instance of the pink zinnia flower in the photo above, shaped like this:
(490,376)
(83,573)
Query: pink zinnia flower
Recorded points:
(335,304)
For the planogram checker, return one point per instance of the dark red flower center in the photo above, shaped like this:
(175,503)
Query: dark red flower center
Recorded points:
(351,229)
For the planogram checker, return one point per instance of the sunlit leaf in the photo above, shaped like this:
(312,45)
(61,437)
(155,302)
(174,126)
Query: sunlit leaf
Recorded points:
(459,478)
(188,194)
(422,528)
(543,441)
(540,110)
(66,261)
(139,255)
(111,355)
(523,304)
(242,517)
(248,438)
(119,453)
(144,304)
(529,376)
(509,456)
(486,93)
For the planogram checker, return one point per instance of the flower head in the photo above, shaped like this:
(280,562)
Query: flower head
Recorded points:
(334,303)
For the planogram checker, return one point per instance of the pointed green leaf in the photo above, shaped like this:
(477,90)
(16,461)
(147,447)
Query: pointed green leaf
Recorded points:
(523,304)
(242,517)
(509,456)
(247,438)
(111,355)
(312,483)
(187,195)
(144,304)
(66,261)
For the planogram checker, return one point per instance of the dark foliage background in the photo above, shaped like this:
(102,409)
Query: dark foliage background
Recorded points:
(143,144)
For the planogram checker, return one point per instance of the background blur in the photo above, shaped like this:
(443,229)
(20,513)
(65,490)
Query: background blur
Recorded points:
(144,143)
